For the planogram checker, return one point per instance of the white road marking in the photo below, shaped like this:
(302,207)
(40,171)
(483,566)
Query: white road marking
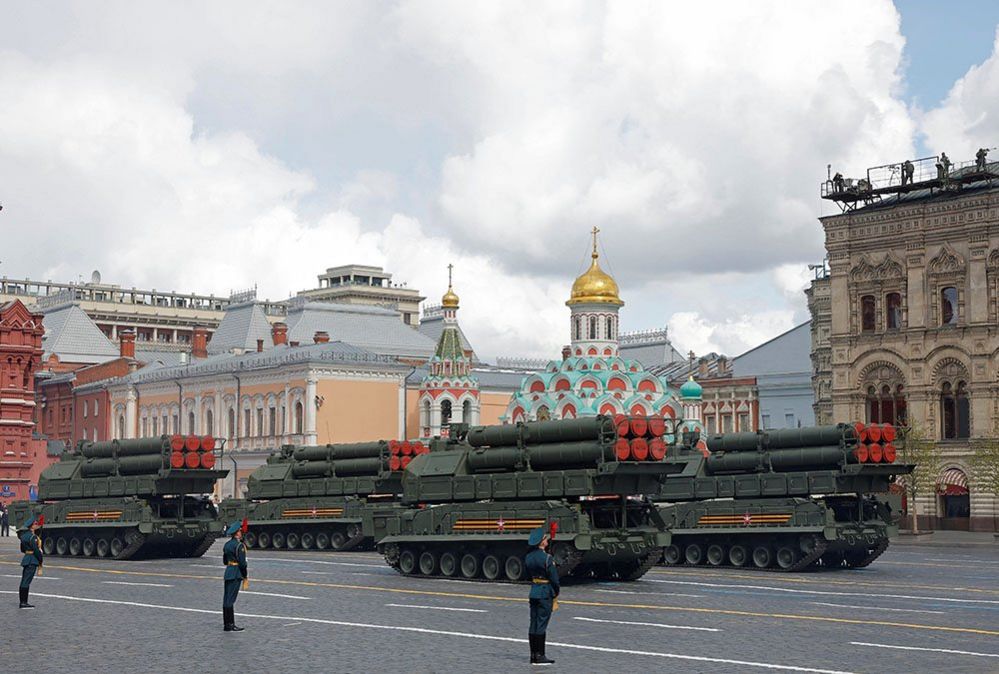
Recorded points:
(876,608)
(37,577)
(669,627)
(440,608)
(274,594)
(366,566)
(465,635)
(932,650)
(825,592)
(656,594)
(121,582)
(316,561)
(291,624)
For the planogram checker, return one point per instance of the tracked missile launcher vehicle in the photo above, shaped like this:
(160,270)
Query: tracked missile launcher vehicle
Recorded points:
(783,500)
(125,499)
(322,497)
(474,498)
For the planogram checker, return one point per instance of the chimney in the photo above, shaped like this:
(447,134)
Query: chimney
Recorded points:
(321,337)
(702,368)
(126,344)
(723,365)
(566,352)
(279,333)
(260,345)
(199,343)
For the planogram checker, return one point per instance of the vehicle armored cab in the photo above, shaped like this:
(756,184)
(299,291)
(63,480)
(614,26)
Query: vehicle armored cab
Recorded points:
(783,500)
(321,497)
(129,498)
(476,496)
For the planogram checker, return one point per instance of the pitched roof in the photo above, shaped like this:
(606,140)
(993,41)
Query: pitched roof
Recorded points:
(74,338)
(375,329)
(241,327)
(433,326)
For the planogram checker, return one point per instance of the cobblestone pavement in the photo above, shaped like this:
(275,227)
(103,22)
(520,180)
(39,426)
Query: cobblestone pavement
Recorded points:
(917,609)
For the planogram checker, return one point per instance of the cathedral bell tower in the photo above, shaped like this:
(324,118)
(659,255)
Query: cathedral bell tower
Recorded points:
(594,304)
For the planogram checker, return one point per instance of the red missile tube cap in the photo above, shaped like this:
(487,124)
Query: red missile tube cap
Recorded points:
(622,425)
(208,443)
(876,452)
(177,443)
(192,443)
(888,433)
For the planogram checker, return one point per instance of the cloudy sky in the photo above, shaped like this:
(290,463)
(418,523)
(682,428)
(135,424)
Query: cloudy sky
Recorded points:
(212,146)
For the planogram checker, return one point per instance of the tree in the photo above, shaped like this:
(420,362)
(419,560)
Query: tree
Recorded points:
(985,467)
(919,450)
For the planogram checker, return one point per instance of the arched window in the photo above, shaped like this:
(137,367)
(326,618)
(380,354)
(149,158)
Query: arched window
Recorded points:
(156,426)
(955,419)
(190,422)
(867,313)
(893,311)
(948,306)
(445,413)
(610,328)
(232,423)
(299,416)
(209,423)
(593,327)
(426,416)
(466,411)
(543,413)
(577,328)
(886,405)
(246,424)
(166,424)
(121,425)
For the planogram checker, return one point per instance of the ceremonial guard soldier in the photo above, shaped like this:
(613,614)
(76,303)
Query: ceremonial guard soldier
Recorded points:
(234,558)
(31,563)
(541,569)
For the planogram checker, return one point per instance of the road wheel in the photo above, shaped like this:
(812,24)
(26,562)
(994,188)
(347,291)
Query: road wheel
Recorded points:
(469,565)
(264,539)
(407,561)
(762,557)
(353,530)
(449,564)
(694,554)
(322,541)
(428,563)
(673,554)
(250,539)
(89,547)
(491,567)
(786,557)
(807,544)
(48,545)
(738,555)
(75,546)
(561,553)
(716,555)
(293,540)
(62,546)
(338,539)
(277,540)
(514,568)
(308,541)
(117,546)
(103,547)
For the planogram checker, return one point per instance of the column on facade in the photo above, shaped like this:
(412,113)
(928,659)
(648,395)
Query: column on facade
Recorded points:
(219,417)
(198,415)
(286,414)
(435,418)
(310,409)
(130,413)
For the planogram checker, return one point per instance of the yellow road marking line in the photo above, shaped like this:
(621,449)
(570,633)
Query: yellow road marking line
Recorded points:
(565,602)
(727,573)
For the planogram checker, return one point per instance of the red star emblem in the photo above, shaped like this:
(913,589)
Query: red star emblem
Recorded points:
(500,524)
(95,515)
(747,519)
(313,511)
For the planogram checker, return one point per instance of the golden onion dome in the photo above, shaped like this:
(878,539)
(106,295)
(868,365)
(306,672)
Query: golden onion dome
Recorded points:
(450,299)
(595,286)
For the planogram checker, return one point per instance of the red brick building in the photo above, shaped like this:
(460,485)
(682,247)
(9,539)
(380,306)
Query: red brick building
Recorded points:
(22,454)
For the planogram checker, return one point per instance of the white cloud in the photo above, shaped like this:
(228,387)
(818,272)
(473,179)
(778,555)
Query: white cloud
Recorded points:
(208,149)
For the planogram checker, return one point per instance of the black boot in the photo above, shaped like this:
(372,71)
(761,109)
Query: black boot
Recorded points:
(23,593)
(532,639)
(226,620)
(541,658)
(232,621)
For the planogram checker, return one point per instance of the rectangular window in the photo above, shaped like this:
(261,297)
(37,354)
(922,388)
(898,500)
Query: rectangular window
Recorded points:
(766,421)
(744,421)
(272,427)
(260,421)
(85,408)
(709,423)
(867,313)
(948,306)
(96,407)
(893,311)
(176,423)
(789,420)
(726,423)
(245,430)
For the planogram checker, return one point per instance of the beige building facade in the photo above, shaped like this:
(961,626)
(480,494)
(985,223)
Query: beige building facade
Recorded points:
(905,329)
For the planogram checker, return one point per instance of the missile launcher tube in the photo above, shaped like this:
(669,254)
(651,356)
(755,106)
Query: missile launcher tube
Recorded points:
(540,432)
(548,456)
(806,458)
(358,450)
(103,450)
(786,438)
(126,465)
(340,468)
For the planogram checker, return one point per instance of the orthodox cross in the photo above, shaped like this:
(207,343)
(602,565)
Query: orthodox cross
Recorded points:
(595,232)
